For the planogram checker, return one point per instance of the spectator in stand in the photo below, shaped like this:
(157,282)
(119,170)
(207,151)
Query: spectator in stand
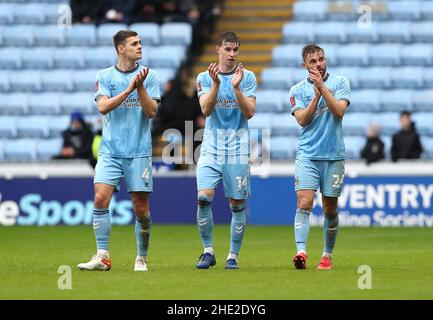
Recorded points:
(84,11)
(406,143)
(118,11)
(374,149)
(77,139)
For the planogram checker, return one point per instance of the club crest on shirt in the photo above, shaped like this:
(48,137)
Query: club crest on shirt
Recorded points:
(199,87)
(96,85)
(292,101)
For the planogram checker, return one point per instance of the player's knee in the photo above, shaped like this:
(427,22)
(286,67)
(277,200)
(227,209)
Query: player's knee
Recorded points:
(204,200)
(305,203)
(236,202)
(141,209)
(102,200)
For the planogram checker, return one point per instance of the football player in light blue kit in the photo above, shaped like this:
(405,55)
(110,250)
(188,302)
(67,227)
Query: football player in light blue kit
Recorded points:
(127,94)
(318,104)
(227,94)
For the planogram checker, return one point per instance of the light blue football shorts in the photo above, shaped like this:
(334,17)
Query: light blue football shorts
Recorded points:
(236,177)
(137,172)
(324,174)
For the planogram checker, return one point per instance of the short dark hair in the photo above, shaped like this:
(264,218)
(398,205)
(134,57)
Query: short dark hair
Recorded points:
(229,36)
(311,48)
(121,36)
(405,113)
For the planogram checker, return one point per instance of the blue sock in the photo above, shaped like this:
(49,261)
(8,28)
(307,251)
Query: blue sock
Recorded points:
(302,228)
(102,227)
(330,228)
(237,229)
(205,219)
(143,225)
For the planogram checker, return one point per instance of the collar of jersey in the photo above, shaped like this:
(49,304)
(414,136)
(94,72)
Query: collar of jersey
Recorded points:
(136,67)
(228,73)
(324,79)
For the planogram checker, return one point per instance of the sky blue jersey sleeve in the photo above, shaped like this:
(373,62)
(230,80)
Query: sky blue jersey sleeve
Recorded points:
(101,88)
(343,90)
(250,85)
(152,86)
(296,101)
(203,84)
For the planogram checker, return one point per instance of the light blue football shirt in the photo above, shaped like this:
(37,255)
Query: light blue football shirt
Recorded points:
(322,138)
(126,129)
(226,129)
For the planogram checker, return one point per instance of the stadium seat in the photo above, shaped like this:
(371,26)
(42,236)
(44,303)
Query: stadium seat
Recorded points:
(4,81)
(148,32)
(396,100)
(44,104)
(272,101)
(287,55)
(58,124)
(334,32)
(283,148)
(330,53)
(13,104)
(100,57)
(385,55)
(57,80)
(365,101)
(47,148)
(6,13)
(352,55)
(403,10)
(284,125)
(260,121)
(417,55)
(422,32)
(37,58)
(428,77)
(423,101)
(30,13)
(375,78)
(164,75)
(49,36)
(18,35)
(427,144)
(426,10)
(78,101)
(105,33)
(356,34)
(20,150)
(276,78)
(84,80)
(351,73)
(10,58)
(176,33)
(166,56)
(69,58)
(8,126)
(423,122)
(342,11)
(81,35)
(398,32)
(25,81)
(355,123)
(298,75)
(309,10)
(56,13)
(354,145)
(298,32)
(32,126)
(389,121)
(407,78)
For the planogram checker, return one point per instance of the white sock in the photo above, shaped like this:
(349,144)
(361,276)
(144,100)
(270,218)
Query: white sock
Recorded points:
(102,253)
(302,251)
(209,250)
(327,254)
(232,256)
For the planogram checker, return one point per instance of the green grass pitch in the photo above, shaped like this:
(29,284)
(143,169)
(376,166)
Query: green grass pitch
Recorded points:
(401,261)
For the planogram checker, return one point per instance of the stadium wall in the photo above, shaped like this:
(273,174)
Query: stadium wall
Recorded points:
(372,198)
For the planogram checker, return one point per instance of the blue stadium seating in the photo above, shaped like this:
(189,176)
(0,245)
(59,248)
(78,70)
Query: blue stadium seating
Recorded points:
(385,55)
(362,35)
(10,58)
(148,32)
(260,121)
(8,126)
(394,32)
(57,124)
(276,78)
(32,126)
(84,80)
(330,32)
(69,57)
(427,144)
(309,10)
(166,56)
(37,58)
(271,100)
(423,122)
(4,81)
(49,36)
(354,145)
(56,80)
(407,78)
(423,100)
(81,35)
(287,55)
(422,31)
(47,148)
(298,32)
(365,101)
(417,55)
(403,10)
(25,81)
(396,100)
(164,75)
(355,123)
(375,78)
(44,103)
(20,150)
(389,121)
(176,33)
(284,125)
(426,10)
(18,35)
(78,101)
(283,148)
(7,13)
(352,55)
(100,57)
(105,33)
(29,13)
(13,104)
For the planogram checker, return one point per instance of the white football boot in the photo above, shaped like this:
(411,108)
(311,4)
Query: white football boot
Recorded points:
(140,264)
(97,263)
